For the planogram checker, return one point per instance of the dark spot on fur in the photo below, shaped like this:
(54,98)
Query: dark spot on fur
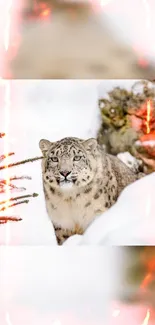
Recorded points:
(51,180)
(106,204)
(108,173)
(83,180)
(87,190)
(110,178)
(47,177)
(68,199)
(105,190)
(115,198)
(109,197)
(65,237)
(97,195)
(88,177)
(57,228)
(52,190)
(87,204)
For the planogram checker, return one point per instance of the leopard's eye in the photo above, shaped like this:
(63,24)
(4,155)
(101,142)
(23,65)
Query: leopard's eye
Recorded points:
(77,158)
(54,159)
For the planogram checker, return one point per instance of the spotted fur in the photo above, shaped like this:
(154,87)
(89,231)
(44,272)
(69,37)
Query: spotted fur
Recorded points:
(80,182)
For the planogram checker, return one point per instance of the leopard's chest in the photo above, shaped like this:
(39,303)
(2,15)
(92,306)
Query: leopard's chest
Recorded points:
(81,208)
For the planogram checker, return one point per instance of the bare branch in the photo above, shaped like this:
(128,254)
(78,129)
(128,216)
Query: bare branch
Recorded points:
(5,219)
(5,156)
(12,205)
(19,198)
(14,178)
(21,162)
(8,184)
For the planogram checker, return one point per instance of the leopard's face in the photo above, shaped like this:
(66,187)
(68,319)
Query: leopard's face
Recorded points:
(68,163)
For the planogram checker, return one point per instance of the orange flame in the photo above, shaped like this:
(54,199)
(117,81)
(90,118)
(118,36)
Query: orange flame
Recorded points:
(148,117)
(147,317)
(148,278)
(45,13)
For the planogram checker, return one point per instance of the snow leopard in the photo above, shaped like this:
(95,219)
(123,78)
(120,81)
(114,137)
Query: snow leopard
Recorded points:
(80,182)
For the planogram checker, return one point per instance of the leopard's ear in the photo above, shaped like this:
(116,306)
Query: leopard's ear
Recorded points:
(90,144)
(44,145)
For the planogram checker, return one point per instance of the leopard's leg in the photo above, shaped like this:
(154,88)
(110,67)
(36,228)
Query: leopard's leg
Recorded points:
(64,234)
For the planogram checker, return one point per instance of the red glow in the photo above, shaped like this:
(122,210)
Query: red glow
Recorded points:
(148,278)
(143,63)
(143,119)
(45,13)
(148,117)
(148,137)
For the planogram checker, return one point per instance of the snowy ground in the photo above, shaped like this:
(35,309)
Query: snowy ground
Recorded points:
(52,110)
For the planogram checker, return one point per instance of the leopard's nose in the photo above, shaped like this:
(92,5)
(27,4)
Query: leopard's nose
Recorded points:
(65,173)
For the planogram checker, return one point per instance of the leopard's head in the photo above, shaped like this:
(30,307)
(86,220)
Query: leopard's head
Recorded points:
(68,163)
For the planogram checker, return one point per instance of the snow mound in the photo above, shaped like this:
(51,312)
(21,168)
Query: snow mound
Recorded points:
(131,221)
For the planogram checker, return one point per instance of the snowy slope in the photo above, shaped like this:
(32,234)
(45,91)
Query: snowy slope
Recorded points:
(130,221)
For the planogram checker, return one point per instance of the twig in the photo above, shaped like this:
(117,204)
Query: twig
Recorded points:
(12,205)
(21,162)
(6,219)
(14,178)
(19,197)
(5,156)
(4,182)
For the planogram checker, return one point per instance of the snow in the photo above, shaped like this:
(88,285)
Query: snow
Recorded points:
(49,284)
(53,110)
(130,161)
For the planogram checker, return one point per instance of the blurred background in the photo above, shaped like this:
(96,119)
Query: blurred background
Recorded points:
(80,286)
(66,39)
(53,286)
